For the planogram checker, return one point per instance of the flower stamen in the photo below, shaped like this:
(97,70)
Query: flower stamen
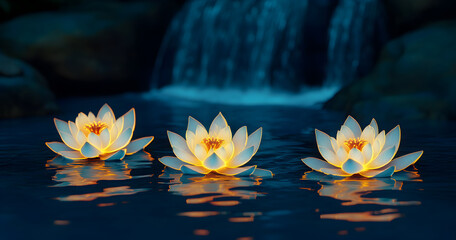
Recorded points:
(212,142)
(355,143)
(96,127)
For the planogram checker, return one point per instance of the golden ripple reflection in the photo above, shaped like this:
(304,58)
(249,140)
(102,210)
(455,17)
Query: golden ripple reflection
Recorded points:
(355,191)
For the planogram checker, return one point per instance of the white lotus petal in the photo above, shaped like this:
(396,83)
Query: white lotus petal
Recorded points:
(240,139)
(217,124)
(334,144)
(186,156)
(177,141)
(138,145)
(317,164)
(200,152)
(62,127)
(225,135)
(241,171)
(342,156)
(388,172)
(105,109)
(129,120)
(116,129)
(354,126)
(105,138)
(383,158)
(262,173)
(213,162)
(374,125)
(323,139)
(242,158)
(367,153)
(368,134)
(73,129)
(254,140)
(393,138)
(108,119)
(94,140)
(172,162)
(200,134)
(92,117)
(69,140)
(81,121)
(347,132)
(190,139)
(119,155)
(58,147)
(341,138)
(351,166)
(378,144)
(89,151)
(356,155)
(193,124)
(81,138)
(72,155)
(335,172)
(403,162)
(329,155)
(122,141)
(194,170)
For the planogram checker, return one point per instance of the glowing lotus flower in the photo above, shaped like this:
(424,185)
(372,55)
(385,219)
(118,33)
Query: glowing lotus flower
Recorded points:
(203,152)
(366,152)
(100,136)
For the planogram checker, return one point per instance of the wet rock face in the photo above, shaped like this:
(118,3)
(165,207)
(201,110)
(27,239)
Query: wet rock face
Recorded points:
(23,91)
(100,48)
(415,78)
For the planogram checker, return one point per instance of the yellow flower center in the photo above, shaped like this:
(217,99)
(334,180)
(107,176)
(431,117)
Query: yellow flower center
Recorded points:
(355,143)
(212,142)
(96,127)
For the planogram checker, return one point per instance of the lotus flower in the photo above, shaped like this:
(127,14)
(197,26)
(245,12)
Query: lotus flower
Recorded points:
(217,151)
(100,136)
(365,152)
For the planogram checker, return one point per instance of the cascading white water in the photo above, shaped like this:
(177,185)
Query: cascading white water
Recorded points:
(352,33)
(255,51)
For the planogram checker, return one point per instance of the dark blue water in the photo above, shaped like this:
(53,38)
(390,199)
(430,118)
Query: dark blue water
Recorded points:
(43,197)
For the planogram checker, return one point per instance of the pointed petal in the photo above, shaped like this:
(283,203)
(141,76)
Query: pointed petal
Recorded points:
(105,138)
(225,153)
(105,109)
(217,124)
(94,140)
(200,152)
(225,134)
(383,158)
(119,155)
(240,139)
(334,144)
(342,156)
(393,138)
(81,121)
(89,151)
(323,139)
(317,164)
(367,153)
(341,138)
(180,148)
(403,162)
(73,128)
(172,162)
(241,171)
(138,144)
(254,140)
(116,129)
(374,125)
(72,155)
(329,155)
(69,140)
(91,117)
(352,167)
(242,158)
(368,134)
(194,170)
(58,147)
(354,126)
(193,124)
(213,162)
(347,132)
(129,120)
(384,173)
(122,141)
(356,155)
(262,173)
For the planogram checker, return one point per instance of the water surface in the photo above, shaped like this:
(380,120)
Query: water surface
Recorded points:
(49,197)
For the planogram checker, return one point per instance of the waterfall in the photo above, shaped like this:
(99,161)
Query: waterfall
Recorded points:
(355,32)
(260,51)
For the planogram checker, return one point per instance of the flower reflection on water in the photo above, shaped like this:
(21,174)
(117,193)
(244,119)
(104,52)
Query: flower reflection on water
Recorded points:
(352,191)
(217,190)
(86,172)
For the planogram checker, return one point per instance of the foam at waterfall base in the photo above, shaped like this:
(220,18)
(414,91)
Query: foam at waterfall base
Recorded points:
(307,97)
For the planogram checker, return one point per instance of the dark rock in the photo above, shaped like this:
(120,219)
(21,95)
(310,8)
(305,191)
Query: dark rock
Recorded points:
(101,48)
(415,78)
(23,91)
